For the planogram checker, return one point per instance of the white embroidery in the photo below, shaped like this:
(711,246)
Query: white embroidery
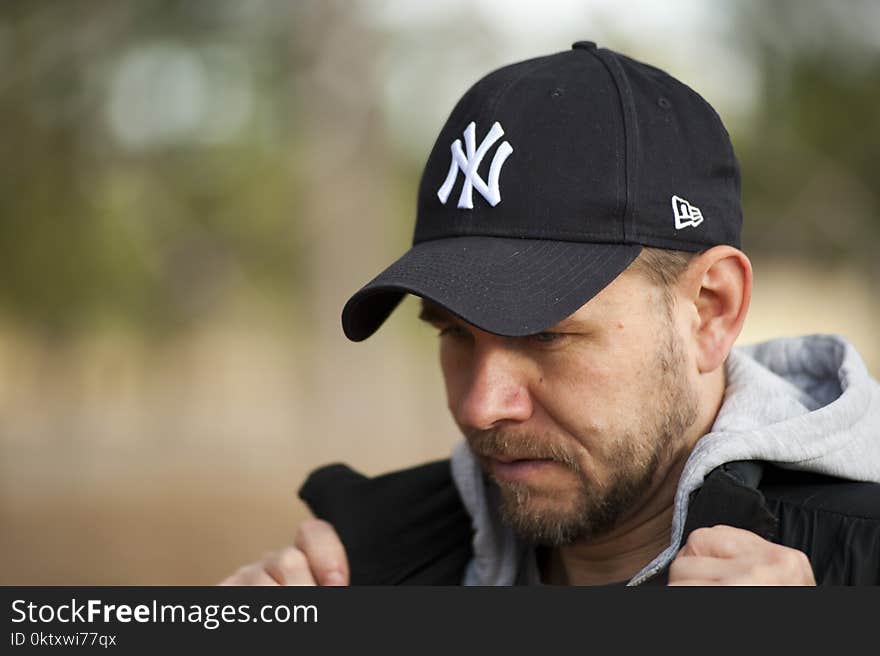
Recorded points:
(685,213)
(470,163)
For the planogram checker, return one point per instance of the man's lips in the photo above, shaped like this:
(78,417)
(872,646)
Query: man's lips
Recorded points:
(508,468)
(509,459)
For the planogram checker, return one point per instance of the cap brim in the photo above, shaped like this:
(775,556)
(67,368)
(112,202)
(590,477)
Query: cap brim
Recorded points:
(506,286)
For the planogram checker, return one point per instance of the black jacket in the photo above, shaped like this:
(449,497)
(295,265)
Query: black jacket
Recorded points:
(410,527)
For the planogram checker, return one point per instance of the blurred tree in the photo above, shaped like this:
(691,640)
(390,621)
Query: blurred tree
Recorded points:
(811,156)
(149,161)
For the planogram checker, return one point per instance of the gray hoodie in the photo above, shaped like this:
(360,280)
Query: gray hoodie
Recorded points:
(803,403)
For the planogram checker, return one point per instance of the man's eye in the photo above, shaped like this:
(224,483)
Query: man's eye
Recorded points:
(546,338)
(456,332)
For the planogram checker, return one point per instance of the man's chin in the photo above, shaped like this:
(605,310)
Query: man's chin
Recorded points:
(548,497)
(542,516)
(547,530)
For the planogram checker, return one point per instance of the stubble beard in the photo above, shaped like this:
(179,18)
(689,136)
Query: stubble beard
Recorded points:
(634,462)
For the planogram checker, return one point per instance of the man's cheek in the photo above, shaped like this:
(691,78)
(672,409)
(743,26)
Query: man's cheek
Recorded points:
(454,381)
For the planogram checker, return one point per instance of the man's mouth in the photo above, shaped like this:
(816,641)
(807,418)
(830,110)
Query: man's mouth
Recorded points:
(509,459)
(508,468)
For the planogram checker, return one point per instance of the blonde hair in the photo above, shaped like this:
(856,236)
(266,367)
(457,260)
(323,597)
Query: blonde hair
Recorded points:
(661,266)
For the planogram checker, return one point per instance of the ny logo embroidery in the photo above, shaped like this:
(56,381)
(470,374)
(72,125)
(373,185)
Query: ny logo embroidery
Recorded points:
(470,162)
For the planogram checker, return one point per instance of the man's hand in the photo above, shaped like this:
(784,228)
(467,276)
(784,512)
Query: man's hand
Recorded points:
(723,555)
(318,558)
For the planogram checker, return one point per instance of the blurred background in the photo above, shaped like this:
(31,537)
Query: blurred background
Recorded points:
(189,192)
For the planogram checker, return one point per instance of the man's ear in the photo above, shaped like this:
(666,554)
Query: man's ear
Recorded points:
(719,284)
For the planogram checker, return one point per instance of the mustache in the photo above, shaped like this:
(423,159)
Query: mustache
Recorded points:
(504,445)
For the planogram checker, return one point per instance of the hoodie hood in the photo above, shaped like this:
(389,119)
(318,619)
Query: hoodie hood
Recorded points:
(803,403)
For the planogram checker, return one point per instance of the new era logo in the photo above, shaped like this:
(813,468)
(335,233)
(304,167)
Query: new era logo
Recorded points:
(685,213)
(468,161)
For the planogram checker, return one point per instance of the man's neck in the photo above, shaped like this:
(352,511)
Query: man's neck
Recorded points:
(614,561)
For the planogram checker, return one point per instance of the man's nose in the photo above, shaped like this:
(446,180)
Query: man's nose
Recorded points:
(496,389)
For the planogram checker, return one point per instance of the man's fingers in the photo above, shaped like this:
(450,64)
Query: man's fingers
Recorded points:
(323,549)
(252,574)
(318,559)
(720,542)
(723,555)
(289,567)
(693,583)
(704,568)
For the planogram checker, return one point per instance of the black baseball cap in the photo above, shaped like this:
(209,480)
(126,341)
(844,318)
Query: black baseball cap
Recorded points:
(546,181)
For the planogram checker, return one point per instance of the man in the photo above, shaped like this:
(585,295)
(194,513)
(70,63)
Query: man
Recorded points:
(577,249)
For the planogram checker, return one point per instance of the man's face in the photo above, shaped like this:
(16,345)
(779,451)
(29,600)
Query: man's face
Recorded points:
(576,424)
